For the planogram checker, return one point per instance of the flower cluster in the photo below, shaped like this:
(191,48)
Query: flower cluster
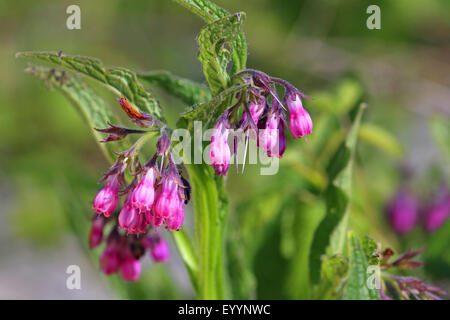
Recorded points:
(155,196)
(123,253)
(262,112)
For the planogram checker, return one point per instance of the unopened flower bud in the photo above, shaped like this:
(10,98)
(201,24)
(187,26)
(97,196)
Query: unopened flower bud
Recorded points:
(300,122)
(96,232)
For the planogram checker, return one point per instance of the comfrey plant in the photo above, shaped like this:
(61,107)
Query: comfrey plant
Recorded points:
(143,198)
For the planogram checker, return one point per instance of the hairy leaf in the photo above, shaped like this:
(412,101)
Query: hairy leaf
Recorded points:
(206,111)
(210,12)
(121,81)
(357,285)
(213,54)
(332,272)
(186,90)
(380,138)
(91,106)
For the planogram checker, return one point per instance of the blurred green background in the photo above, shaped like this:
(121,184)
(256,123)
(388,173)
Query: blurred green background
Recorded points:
(50,164)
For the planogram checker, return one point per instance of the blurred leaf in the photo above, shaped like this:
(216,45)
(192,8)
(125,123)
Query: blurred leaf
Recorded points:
(437,252)
(333,270)
(121,81)
(342,99)
(304,219)
(186,90)
(380,138)
(330,235)
(210,12)
(356,287)
(440,131)
(213,54)
(90,105)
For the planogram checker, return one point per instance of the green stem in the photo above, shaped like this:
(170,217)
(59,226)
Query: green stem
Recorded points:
(209,232)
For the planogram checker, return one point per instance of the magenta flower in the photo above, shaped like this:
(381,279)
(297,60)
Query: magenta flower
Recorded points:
(130,267)
(438,213)
(272,138)
(96,232)
(257,109)
(168,199)
(110,259)
(106,200)
(127,215)
(403,212)
(300,122)
(144,194)
(175,222)
(159,249)
(219,153)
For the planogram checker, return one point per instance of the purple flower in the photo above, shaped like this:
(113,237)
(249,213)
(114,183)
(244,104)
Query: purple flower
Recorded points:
(130,267)
(257,109)
(272,138)
(159,249)
(96,232)
(168,199)
(106,200)
(110,259)
(438,213)
(144,194)
(402,212)
(127,215)
(219,154)
(300,122)
(175,222)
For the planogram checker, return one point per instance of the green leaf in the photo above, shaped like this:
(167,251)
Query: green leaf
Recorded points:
(330,235)
(380,138)
(206,111)
(91,107)
(356,287)
(210,12)
(213,54)
(186,90)
(121,81)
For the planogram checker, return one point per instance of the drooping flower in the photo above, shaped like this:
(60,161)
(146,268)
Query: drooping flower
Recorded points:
(403,212)
(300,122)
(175,222)
(106,200)
(96,232)
(168,200)
(110,259)
(143,195)
(159,249)
(257,108)
(438,213)
(272,138)
(130,268)
(219,154)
